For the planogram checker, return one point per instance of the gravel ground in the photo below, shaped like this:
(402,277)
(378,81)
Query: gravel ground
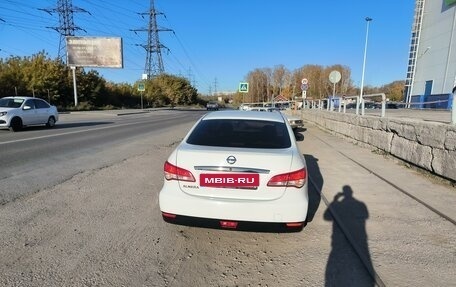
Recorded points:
(103,227)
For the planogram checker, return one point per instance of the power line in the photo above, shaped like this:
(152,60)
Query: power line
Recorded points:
(201,76)
(106,18)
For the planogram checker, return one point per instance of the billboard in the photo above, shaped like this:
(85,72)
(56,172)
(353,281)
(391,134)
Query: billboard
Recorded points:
(100,52)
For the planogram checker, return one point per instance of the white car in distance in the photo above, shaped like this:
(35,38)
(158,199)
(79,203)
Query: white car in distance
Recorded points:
(294,121)
(237,168)
(18,112)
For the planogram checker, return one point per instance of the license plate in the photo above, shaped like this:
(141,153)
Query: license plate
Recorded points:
(230,180)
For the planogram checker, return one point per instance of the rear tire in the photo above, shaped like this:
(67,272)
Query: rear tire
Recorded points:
(51,122)
(16,124)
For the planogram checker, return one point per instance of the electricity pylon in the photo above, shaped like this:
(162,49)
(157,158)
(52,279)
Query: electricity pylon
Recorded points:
(66,27)
(154,62)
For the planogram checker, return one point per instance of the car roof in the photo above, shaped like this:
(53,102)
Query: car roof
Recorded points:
(20,98)
(247,115)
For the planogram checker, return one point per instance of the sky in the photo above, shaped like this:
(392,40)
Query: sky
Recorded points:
(216,43)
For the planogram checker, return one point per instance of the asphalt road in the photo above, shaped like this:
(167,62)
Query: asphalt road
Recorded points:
(38,157)
(99,225)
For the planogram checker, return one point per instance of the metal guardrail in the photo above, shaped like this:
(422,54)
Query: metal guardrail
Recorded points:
(373,96)
(343,102)
(360,103)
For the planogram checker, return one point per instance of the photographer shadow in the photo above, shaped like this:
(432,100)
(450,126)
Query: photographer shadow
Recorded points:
(350,257)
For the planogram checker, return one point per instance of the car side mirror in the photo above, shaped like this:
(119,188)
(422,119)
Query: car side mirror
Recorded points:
(25,108)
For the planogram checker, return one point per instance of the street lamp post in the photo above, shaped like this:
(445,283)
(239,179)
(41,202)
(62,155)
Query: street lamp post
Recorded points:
(364,66)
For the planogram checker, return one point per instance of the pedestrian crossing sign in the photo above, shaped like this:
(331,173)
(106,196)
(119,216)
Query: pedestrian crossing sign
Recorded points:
(243,87)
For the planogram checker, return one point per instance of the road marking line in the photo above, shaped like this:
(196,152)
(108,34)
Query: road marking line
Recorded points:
(63,134)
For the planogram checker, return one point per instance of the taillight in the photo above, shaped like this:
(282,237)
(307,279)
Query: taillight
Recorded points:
(295,178)
(173,172)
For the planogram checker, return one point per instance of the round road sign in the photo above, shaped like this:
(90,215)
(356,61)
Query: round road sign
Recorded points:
(334,77)
(304,81)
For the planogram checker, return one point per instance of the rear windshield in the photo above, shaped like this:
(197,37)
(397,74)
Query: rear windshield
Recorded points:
(241,133)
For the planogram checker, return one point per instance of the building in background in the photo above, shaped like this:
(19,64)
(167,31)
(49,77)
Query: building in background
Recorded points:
(431,72)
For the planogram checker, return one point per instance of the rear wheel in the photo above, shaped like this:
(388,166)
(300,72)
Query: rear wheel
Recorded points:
(16,124)
(51,122)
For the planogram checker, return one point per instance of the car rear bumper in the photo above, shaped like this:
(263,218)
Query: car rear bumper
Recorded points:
(291,207)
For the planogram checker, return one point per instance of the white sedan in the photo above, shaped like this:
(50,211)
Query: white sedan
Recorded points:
(295,121)
(236,167)
(17,112)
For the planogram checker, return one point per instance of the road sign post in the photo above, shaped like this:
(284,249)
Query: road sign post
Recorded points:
(141,89)
(334,78)
(304,88)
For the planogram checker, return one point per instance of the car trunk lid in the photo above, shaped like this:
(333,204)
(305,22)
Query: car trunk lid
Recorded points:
(233,173)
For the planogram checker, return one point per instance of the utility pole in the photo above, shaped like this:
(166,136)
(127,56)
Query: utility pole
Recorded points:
(215,86)
(66,28)
(190,76)
(65,9)
(154,62)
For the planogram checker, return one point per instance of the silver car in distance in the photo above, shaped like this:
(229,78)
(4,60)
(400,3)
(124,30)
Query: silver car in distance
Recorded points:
(18,112)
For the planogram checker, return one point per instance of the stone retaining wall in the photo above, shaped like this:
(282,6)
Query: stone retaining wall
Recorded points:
(429,145)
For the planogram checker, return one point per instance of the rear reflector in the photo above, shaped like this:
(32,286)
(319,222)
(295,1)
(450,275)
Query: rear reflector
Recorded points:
(295,224)
(168,215)
(228,224)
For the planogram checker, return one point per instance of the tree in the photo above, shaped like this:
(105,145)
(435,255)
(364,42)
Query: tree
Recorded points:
(258,84)
(12,80)
(344,86)
(313,73)
(170,90)
(92,89)
(51,79)
(394,91)
(37,75)
(279,74)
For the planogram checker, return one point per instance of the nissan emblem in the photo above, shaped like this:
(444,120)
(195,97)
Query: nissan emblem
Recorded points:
(231,159)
